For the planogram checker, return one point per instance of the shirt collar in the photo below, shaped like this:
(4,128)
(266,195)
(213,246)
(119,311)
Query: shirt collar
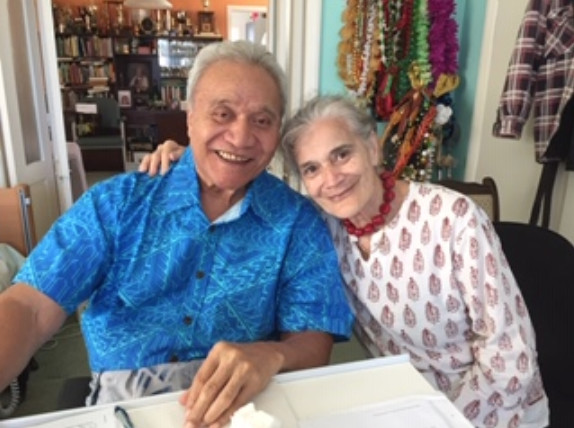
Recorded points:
(185,190)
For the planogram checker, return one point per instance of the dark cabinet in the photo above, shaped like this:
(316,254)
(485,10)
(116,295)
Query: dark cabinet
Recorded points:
(145,129)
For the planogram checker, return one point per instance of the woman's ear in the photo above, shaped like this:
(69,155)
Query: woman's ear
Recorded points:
(374,149)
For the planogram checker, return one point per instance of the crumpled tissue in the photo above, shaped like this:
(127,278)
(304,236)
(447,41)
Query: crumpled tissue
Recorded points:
(249,417)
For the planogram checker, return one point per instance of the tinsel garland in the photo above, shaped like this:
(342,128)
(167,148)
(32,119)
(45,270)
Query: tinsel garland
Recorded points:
(442,38)
(419,48)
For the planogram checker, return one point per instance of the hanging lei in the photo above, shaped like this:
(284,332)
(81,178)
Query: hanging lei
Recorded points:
(395,18)
(408,141)
(383,45)
(359,49)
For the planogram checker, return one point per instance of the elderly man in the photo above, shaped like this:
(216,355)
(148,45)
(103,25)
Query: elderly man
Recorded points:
(216,275)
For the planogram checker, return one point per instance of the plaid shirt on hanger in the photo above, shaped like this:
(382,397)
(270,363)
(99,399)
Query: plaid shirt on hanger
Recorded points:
(541,68)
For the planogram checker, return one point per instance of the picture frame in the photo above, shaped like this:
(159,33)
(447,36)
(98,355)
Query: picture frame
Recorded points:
(125,98)
(139,77)
(206,22)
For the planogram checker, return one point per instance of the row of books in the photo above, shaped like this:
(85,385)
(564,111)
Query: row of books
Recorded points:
(77,46)
(85,73)
(170,93)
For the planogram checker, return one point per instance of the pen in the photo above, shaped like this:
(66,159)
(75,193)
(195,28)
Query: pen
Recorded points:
(123,417)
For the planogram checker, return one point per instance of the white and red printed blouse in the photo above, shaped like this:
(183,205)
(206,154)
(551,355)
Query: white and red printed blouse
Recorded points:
(438,287)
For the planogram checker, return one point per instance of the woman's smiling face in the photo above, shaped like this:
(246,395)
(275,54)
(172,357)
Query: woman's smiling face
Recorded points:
(337,167)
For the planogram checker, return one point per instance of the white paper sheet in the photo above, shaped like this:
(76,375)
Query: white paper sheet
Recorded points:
(164,415)
(103,418)
(418,411)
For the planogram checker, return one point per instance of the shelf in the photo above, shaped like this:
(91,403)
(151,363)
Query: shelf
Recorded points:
(74,87)
(112,61)
(136,55)
(87,59)
(208,37)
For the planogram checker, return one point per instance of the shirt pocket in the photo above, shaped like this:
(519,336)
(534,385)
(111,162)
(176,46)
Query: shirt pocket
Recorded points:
(559,41)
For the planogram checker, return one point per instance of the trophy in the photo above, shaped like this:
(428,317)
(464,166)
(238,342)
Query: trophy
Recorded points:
(61,17)
(181,19)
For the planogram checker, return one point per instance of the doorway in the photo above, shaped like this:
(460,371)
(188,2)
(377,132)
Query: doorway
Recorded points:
(248,23)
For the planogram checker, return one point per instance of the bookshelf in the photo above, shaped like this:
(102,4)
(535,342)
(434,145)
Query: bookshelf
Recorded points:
(145,73)
(140,58)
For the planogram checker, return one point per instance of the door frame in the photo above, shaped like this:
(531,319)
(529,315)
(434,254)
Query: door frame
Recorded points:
(54,104)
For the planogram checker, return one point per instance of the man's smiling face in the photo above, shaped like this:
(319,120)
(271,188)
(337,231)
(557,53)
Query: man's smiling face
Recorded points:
(233,124)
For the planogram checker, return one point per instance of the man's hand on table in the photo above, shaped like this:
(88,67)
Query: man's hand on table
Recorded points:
(231,375)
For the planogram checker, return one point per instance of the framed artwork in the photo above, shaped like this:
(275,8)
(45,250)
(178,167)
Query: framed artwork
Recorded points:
(206,24)
(125,98)
(139,74)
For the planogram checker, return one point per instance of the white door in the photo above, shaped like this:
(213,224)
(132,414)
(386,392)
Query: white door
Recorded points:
(28,128)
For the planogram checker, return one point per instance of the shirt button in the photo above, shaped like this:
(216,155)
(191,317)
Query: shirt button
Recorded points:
(174,359)
(211,229)
(187,320)
(200,274)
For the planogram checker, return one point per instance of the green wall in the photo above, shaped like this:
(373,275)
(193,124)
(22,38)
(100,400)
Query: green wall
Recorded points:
(470,17)
(329,81)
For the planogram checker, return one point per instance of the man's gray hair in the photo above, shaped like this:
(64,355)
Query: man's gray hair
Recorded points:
(358,120)
(238,51)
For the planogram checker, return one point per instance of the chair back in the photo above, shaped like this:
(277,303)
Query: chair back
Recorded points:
(99,130)
(105,114)
(543,264)
(109,111)
(484,194)
(16,218)
(78,178)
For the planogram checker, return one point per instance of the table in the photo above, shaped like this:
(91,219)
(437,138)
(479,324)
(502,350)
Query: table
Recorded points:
(350,394)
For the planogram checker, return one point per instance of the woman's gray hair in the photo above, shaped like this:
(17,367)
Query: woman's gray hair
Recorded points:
(359,121)
(238,51)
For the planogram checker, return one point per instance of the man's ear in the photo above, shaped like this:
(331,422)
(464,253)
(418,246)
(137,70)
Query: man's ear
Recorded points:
(189,120)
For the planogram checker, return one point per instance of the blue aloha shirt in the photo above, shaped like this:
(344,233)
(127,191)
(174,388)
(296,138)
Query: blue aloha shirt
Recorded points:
(164,284)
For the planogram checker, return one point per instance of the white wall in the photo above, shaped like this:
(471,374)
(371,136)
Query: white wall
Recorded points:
(510,162)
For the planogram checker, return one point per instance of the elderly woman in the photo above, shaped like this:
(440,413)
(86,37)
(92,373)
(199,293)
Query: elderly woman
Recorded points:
(424,269)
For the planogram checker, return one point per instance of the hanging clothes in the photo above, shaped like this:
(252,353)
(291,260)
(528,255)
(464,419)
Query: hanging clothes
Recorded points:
(540,74)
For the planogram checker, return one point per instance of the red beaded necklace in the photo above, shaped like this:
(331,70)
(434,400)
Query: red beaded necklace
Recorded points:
(388,180)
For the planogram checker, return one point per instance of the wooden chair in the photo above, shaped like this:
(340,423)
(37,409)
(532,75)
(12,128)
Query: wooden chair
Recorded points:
(484,194)
(16,220)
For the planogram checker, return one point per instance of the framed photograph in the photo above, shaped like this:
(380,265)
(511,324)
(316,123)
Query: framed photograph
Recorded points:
(125,98)
(139,77)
